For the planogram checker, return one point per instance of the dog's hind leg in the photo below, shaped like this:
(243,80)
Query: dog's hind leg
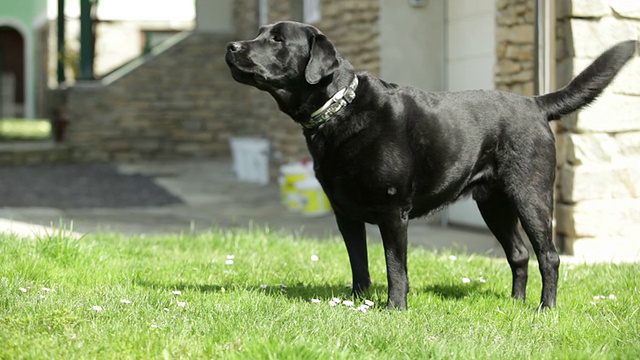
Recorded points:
(501,217)
(355,239)
(535,209)
(532,195)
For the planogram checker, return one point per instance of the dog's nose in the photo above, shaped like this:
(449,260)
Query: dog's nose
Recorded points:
(234,46)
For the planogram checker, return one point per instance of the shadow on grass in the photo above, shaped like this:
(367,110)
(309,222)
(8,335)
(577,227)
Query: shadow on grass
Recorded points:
(451,291)
(306,292)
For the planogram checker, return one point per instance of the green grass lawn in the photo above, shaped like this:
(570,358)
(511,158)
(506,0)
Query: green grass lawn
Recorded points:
(250,294)
(25,129)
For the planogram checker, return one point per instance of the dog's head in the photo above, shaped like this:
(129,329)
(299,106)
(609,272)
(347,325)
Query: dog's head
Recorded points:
(287,59)
(282,55)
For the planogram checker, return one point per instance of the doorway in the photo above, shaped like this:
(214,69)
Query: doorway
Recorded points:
(436,46)
(12,74)
(470,61)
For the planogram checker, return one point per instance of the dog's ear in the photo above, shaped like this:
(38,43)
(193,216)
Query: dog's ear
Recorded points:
(323,59)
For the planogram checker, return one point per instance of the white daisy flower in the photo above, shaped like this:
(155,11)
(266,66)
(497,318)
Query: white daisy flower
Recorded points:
(348,303)
(316,301)
(46,289)
(263,286)
(369,303)
(229,262)
(453,257)
(612,297)
(176,292)
(314,258)
(97,308)
(466,280)
(231,257)
(125,301)
(482,280)
(182,303)
(22,289)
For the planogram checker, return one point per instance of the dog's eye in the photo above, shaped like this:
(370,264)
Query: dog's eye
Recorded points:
(277,38)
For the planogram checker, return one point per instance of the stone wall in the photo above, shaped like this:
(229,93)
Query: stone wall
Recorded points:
(598,191)
(598,210)
(515,35)
(179,104)
(183,102)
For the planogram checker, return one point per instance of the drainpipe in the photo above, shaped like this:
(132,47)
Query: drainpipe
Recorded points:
(61,42)
(545,43)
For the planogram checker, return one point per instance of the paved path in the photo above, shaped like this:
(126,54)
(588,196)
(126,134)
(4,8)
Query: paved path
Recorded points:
(154,198)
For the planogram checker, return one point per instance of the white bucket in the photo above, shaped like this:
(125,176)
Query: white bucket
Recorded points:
(250,159)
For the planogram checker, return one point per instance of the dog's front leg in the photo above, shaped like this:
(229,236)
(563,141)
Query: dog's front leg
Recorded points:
(393,228)
(355,238)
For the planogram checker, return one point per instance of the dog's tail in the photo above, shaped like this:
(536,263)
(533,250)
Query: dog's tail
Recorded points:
(589,83)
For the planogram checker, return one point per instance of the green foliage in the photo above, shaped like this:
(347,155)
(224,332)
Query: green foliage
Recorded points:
(248,294)
(25,129)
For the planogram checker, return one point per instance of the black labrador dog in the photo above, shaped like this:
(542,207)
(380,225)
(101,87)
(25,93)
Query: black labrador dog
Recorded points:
(386,153)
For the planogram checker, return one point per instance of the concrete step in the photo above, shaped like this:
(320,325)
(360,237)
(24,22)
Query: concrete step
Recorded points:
(33,152)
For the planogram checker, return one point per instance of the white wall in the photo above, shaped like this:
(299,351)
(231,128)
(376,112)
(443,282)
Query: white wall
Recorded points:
(471,44)
(214,16)
(412,43)
(470,64)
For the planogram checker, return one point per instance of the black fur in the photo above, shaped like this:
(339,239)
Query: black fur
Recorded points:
(397,152)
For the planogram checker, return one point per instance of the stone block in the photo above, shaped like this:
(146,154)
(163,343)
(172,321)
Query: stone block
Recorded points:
(625,8)
(592,37)
(591,148)
(610,113)
(604,249)
(521,53)
(519,34)
(625,83)
(601,181)
(588,8)
(599,218)
(629,145)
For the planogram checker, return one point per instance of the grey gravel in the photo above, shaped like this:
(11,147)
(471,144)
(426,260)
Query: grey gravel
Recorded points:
(75,186)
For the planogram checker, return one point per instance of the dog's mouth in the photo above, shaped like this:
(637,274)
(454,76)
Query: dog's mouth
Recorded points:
(246,72)
(242,69)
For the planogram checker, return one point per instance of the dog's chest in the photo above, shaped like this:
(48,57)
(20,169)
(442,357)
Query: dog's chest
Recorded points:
(363,192)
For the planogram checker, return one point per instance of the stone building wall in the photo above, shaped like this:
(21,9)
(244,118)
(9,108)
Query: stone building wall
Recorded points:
(515,36)
(598,209)
(179,104)
(183,102)
(598,186)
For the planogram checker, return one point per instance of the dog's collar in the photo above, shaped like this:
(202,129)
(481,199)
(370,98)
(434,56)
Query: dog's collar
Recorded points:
(341,99)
